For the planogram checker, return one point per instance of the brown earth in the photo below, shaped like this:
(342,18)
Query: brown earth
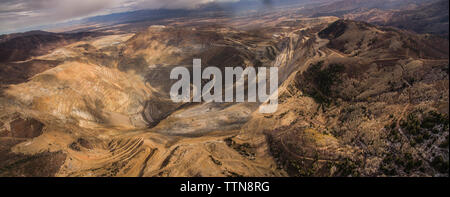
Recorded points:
(355,100)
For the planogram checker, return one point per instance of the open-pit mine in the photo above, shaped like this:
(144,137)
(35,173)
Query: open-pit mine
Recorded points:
(354,99)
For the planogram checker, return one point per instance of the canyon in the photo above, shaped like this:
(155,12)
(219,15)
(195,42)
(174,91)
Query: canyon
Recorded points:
(354,99)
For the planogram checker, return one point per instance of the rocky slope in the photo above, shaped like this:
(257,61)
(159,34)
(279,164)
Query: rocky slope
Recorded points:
(354,113)
(355,100)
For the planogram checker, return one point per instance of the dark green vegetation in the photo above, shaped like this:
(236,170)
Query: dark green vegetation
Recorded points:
(319,80)
(421,131)
(244,149)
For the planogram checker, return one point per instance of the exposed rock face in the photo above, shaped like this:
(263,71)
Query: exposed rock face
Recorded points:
(376,114)
(85,93)
(17,126)
(28,128)
(355,100)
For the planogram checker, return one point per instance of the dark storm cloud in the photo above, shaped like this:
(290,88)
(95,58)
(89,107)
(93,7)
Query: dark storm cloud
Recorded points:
(17,15)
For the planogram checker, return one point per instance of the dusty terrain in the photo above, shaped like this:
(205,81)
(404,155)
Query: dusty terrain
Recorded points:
(355,100)
(420,16)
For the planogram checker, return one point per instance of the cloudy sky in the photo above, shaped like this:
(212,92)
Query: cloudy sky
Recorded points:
(18,15)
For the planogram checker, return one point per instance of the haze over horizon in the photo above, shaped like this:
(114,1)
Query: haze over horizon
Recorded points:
(25,15)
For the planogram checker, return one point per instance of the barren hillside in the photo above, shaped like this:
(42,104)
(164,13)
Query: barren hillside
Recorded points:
(355,100)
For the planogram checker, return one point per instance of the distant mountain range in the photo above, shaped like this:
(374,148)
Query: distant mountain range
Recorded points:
(421,16)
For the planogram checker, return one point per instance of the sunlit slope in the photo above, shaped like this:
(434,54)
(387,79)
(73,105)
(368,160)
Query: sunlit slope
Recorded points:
(350,95)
